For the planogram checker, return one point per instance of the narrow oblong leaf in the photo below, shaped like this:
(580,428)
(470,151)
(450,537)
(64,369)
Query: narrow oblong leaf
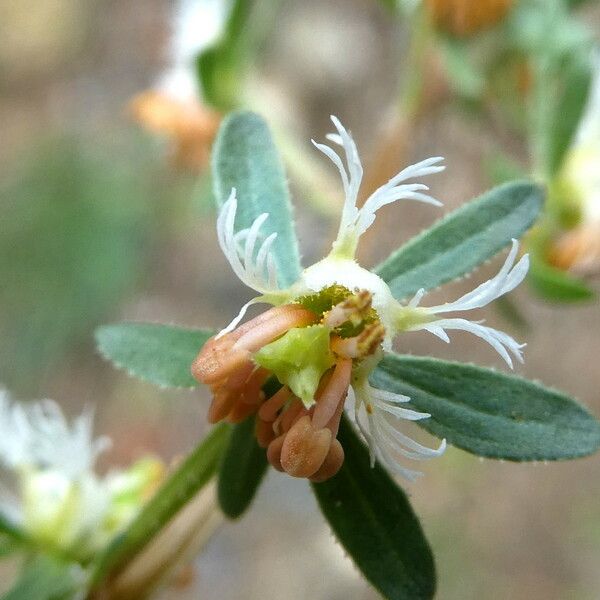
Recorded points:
(463,239)
(489,413)
(243,467)
(556,285)
(372,518)
(245,158)
(159,354)
(570,104)
(184,483)
(44,578)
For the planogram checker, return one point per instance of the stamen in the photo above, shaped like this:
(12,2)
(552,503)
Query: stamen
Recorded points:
(293,316)
(364,344)
(305,448)
(274,453)
(221,405)
(354,309)
(264,433)
(333,394)
(331,465)
(268,411)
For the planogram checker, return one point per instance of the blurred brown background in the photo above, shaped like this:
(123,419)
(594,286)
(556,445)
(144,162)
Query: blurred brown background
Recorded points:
(97,227)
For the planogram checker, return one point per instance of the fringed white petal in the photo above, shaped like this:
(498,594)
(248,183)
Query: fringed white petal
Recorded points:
(393,191)
(39,435)
(507,279)
(500,341)
(383,436)
(254,268)
(356,221)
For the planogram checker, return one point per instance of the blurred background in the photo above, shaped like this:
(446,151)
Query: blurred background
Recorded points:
(107,216)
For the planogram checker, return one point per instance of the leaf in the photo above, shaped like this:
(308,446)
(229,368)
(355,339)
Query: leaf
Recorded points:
(489,413)
(44,578)
(184,483)
(245,158)
(160,354)
(463,239)
(373,520)
(12,537)
(571,101)
(243,467)
(223,67)
(556,285)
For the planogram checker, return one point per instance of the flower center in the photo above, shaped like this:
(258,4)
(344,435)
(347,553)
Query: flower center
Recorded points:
(308,349)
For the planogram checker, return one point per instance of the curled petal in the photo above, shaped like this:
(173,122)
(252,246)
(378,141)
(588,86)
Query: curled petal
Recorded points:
(506,280)
(500,341)
(257,272)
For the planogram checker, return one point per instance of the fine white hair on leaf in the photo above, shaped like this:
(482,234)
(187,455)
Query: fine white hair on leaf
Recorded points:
(385,439)
(255,268)
(351,173)
(39,435)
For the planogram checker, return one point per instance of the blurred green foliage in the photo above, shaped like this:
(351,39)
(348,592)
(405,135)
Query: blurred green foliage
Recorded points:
(76,218)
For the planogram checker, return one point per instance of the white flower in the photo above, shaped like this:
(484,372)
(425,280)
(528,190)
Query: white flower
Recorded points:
(196,25)
(253,263)
(61,502)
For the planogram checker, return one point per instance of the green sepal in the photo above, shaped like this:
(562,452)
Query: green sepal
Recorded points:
(490,413)
(372,518)
(462,240)
(159,354)
(243,468)
(298,359)
(245,158)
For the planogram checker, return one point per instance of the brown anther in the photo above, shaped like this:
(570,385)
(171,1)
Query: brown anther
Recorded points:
(221,357)
(291,315)
(264,433)
(304,448)
(215,363)
(221,405)
(274,453)
(290,415)
(332,463)
(269,409)
(240,412)
(364,344)
(252,391)
(354,309)
(333,394)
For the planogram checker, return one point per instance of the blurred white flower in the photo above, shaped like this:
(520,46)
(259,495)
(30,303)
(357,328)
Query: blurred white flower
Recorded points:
(60,502)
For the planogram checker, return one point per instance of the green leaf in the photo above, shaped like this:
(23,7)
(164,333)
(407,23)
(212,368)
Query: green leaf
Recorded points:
(160,354)
(463,239)
(243,467)
(556,285)
(223,67)
(245,158)
(372,518)
(489,413)
(12,537)
(184,483)
(571,100)
(44,578)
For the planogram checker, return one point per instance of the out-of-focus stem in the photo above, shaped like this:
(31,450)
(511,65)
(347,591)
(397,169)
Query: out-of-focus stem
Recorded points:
(178,542)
